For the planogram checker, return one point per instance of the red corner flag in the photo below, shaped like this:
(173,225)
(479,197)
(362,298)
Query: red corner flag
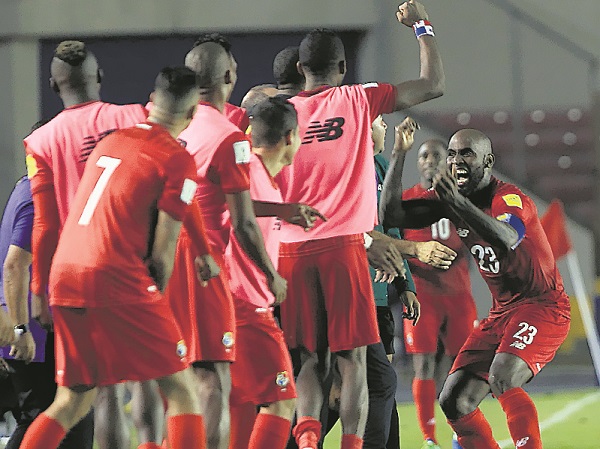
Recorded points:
(554,224)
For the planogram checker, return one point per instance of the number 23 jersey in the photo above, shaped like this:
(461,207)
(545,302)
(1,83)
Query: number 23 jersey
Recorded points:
(527,273)
(99,260)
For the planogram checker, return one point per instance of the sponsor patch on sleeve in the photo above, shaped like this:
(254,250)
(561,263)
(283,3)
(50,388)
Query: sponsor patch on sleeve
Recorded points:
(368,85)
(32,168)
(513,200)
(242,152)
(188,191)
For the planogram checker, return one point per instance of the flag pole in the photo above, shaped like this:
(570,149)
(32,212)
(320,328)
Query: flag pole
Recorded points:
(585,310)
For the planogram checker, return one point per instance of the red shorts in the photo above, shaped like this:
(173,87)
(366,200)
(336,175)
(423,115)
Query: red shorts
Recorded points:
(262,372)
(108,345)
(443,318)
(330,296)
(533,332)
(205,314)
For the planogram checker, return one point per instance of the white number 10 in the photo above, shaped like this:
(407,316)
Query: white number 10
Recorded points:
(109,164)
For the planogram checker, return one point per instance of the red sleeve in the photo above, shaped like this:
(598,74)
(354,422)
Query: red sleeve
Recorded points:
(515,203)
(194,225)
(232,163)
(38,172)
(381,98)
(44,238)
(180,187)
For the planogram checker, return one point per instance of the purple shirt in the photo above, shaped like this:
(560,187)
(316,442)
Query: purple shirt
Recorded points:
(16,228)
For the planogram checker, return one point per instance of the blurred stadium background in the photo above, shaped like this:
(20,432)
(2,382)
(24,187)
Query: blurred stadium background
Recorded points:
(526,73)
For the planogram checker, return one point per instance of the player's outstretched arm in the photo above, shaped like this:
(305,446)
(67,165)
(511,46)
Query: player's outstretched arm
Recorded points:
(163,250)
(243,221)
(431,82)
(432,253)
(497,233)
(294,213)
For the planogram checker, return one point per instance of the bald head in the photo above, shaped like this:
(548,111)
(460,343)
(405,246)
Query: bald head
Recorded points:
(257,95)
(213,65)
(430,157)
(74,67)
(471,158)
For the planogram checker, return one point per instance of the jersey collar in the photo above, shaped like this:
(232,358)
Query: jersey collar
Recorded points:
(318,90)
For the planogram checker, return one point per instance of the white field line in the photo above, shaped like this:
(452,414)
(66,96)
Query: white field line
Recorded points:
(560,416)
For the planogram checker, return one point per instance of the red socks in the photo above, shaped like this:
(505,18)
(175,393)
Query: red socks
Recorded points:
(270,432)
(43,433)
(242,423)
(424,397)
(522,418)
(351,441)
(149,446)
(307,432)
(474,431)
(186,431)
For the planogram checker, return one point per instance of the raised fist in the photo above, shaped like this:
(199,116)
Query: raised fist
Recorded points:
(410,12)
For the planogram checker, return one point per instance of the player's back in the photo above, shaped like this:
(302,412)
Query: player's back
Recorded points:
(107,232)
(215,144)
(334,170)
(246,280)
(65,143)
(431,281)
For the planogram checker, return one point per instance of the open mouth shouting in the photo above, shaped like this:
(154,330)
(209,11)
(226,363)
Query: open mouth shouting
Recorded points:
(462,176)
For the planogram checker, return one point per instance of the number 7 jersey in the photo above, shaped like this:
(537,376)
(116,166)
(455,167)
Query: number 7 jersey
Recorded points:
(99,261)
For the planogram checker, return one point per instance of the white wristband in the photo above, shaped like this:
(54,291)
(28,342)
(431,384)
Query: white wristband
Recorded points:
(368,240)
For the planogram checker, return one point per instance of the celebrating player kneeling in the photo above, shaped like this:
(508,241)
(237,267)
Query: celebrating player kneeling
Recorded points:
(111,320)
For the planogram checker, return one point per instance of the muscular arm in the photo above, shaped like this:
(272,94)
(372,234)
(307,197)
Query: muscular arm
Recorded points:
(16,283)
(163,250)
(247,231)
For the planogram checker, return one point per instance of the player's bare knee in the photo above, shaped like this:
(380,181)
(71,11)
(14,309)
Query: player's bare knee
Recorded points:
(424,365)
(284,409)
(455,405)
(356,356)
(506,372)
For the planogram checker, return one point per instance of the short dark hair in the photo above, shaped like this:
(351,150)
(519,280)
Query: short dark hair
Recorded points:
(217,38)
(320,51)
(176,81)
(271,120)
(285,70)
(71,52)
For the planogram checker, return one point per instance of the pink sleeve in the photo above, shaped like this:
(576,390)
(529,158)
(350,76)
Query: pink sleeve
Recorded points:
(232,161)
(381,98)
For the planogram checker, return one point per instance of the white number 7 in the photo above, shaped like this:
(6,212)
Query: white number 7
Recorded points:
(109,164)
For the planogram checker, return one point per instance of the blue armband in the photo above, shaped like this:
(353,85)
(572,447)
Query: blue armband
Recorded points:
(516,223)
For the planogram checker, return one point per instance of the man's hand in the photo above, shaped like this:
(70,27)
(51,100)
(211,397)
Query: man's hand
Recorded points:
(404,135)
(300,215)
(412,305)
(385,257)
(40,311)
(446,187)
(23,348)
(206,268)
(411,12)
(435,254)
(278,287)
(7,330)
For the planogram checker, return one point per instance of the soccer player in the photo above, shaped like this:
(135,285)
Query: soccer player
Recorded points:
(447,305)
(331,305)
(31,356)
(262,374)
(56,155)
(530,314)
(285,71)
(111,320)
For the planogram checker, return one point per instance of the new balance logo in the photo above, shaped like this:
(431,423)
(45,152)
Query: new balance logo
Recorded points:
(331,129)
(90,142)
(522,442)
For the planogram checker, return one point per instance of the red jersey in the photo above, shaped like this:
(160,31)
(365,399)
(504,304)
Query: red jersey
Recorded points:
(64,144)
(433,282)
(334,169)
(237,116)
(221,153)
(246,280)
(130,174)
(525,274)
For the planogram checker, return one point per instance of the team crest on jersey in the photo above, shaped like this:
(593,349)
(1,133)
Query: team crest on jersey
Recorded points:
(181,348)
(462,232)
(513,200)
(242,152)
(282,379)
(228,340)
